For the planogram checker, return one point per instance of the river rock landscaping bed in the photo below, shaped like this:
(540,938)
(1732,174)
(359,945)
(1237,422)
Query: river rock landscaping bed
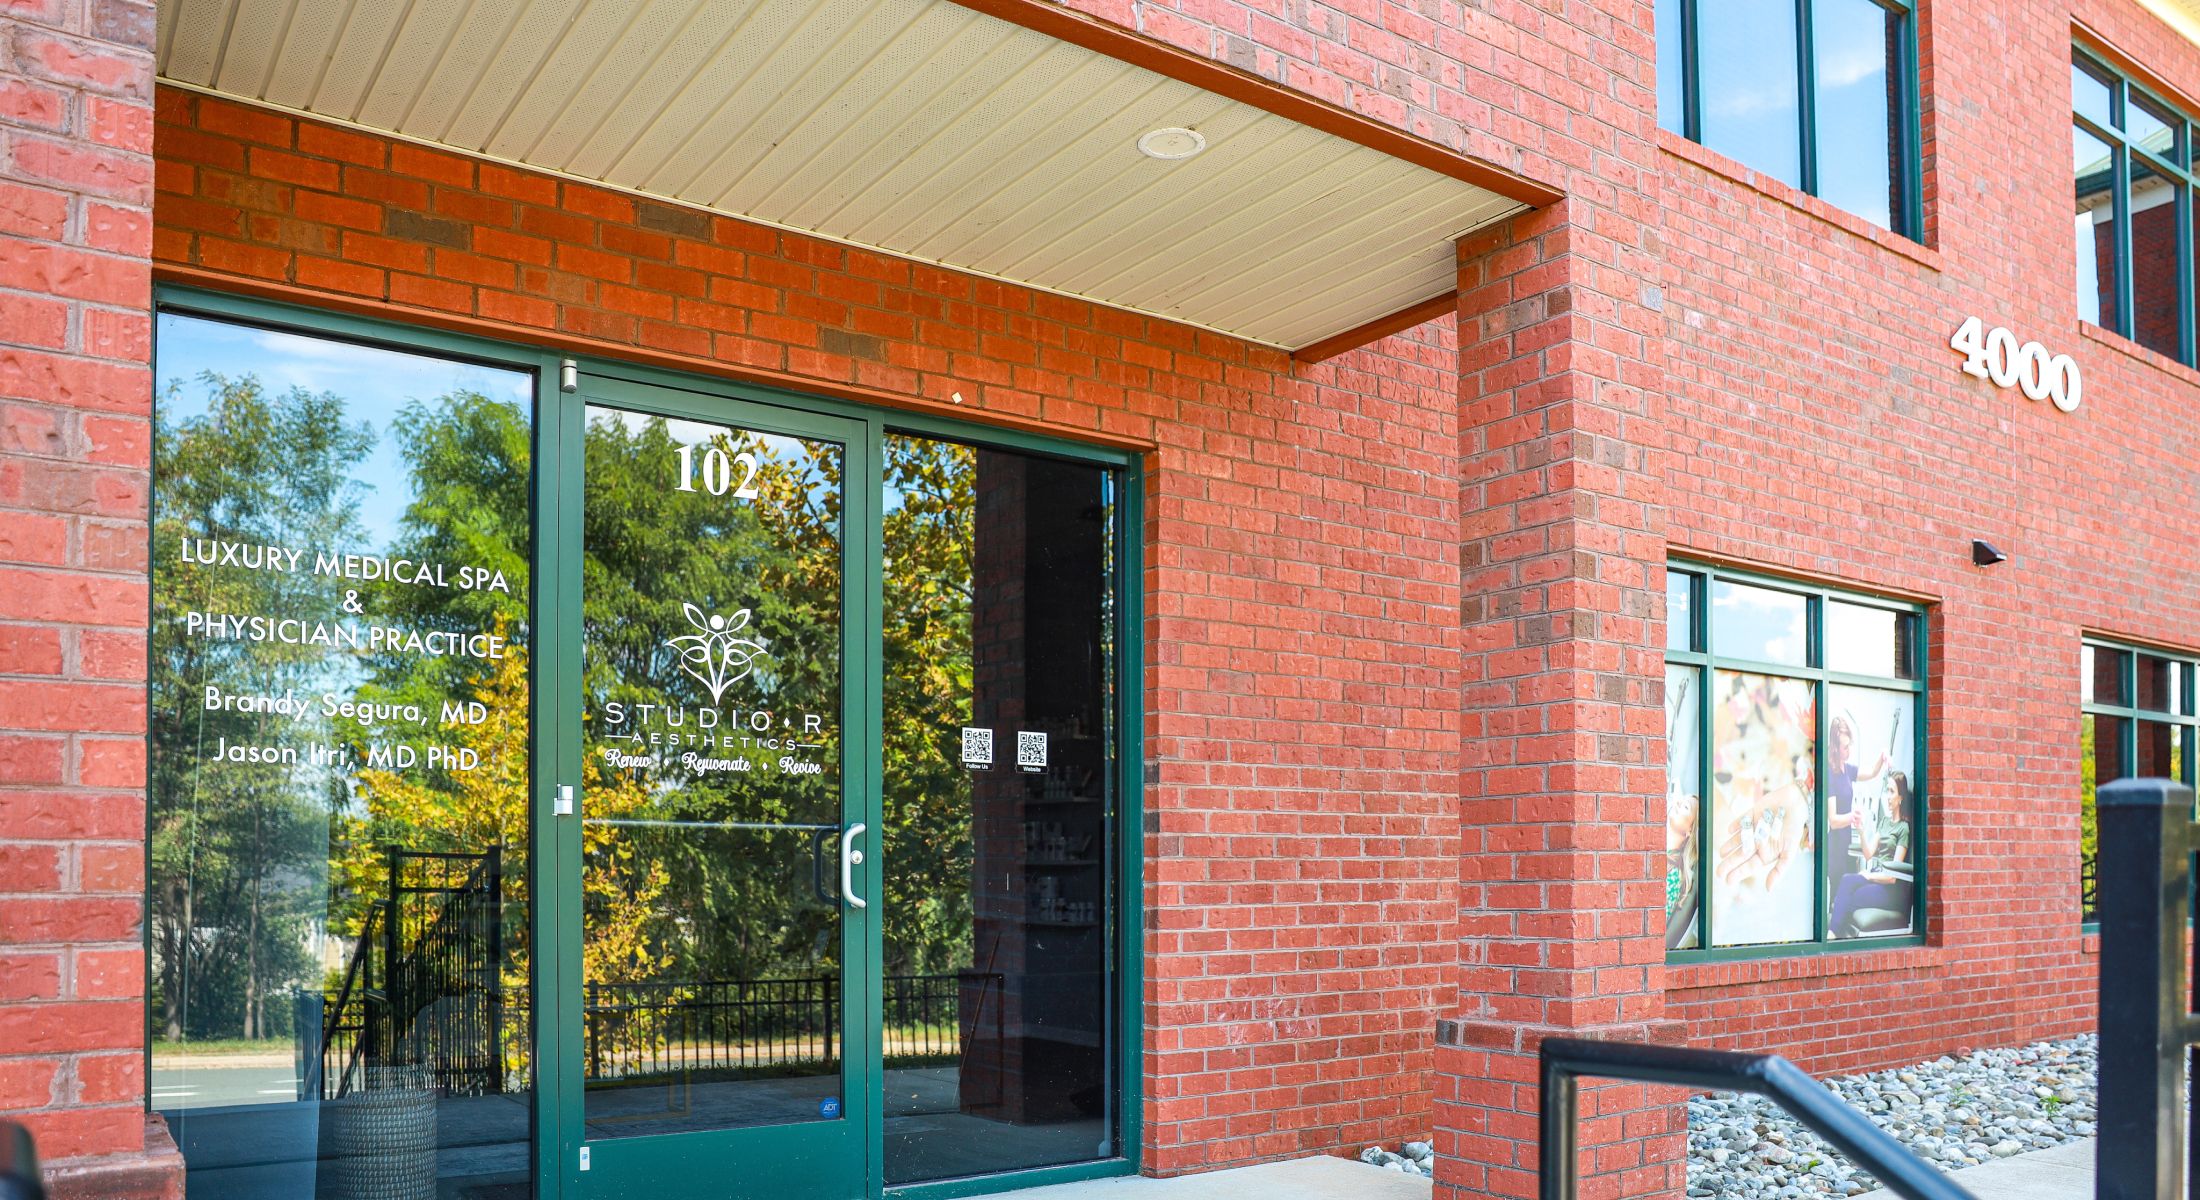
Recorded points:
(1953,1112)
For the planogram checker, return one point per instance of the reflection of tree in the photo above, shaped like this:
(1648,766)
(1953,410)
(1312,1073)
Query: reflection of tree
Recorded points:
(249,860)
(234,889)
(928,534)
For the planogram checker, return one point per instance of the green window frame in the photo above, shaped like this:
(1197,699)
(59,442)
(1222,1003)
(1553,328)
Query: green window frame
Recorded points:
(2132,155)
(2138,719)
(1706,781)
(1682,102)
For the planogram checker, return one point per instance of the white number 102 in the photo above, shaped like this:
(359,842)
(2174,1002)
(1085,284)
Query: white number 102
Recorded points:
(718,472)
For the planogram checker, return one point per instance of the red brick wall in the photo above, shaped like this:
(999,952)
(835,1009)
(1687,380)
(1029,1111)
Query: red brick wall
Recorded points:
(1301,580)
(1818,424)
(76,172)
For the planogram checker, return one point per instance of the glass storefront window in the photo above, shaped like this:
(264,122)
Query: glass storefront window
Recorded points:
(1734,75)
(340,682)
(2131,157)
(2138,723)
(1794,801)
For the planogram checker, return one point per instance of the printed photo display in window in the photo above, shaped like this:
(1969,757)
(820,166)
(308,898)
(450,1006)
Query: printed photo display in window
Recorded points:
(1792,799)
(1871,813)
(1763,742)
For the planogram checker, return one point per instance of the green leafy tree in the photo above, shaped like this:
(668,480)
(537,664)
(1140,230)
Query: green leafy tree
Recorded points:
(233,895)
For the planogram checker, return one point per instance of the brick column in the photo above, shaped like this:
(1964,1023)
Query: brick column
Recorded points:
(1562,901)
(76,175)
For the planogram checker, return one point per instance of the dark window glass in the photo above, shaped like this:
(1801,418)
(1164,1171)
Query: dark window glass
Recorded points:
(2154,274)
(1745,67)
(1672,77)
(999,865)
(2107,668)
(2161,685)
(2115,746)
(2091,95)
(1854,42)
(1680,610)
(2095,231)
(2156,751)
(338,902)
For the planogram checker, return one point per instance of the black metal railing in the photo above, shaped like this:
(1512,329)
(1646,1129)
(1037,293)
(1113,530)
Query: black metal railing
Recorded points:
(743,1026)
(2148,837)
(1567,1061)
(764,1026)
(423,987)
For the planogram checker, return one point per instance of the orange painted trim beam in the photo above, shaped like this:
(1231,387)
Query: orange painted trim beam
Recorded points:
(1103,37)
(527,335)
(1377,329)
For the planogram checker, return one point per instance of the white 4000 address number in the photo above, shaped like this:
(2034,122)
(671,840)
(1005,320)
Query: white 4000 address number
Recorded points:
(1994,355)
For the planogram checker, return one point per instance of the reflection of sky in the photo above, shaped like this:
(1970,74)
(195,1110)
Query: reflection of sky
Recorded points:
(1849,40)
(375,385)
(1758,623)
(1746,83)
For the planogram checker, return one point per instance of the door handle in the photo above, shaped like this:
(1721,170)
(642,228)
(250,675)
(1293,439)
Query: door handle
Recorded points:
(850,859)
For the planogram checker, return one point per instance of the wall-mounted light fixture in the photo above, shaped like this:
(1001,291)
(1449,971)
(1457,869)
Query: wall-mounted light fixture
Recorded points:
(1983,553)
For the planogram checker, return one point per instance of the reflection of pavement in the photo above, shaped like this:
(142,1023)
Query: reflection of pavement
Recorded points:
(928,1136)
(275,1151)
(246,1079)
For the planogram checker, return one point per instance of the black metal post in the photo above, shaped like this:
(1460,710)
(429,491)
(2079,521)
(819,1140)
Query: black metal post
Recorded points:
(2146,847)
(495,982)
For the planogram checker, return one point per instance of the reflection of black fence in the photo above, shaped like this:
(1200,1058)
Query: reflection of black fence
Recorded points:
(423,988)
(422,993)
(774,1026)
(2089,889)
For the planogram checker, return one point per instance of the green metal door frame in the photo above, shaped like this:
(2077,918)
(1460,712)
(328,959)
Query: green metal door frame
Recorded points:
(828,1157)
(555,919)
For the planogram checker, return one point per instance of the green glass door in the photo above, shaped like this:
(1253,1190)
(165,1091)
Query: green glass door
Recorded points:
(712,1012)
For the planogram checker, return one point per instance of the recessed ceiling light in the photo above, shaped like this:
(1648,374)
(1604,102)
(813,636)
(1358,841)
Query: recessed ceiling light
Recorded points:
(1171,143)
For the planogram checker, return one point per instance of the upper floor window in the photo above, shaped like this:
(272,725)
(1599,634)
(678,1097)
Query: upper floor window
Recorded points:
(1795,794)
(1820,93)
(2139,723)
(2131,153)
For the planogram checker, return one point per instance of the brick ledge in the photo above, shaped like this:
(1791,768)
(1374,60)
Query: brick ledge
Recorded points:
(1690,976)
(154,1173)
(1799,200)
(1469,1033)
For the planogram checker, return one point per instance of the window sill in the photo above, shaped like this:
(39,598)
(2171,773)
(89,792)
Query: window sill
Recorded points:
(2133,350)
(1689,976)
(1799,200)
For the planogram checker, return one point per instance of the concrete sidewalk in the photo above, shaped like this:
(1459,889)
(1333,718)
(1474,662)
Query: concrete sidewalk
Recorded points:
(1318,1178)
(2062,1173)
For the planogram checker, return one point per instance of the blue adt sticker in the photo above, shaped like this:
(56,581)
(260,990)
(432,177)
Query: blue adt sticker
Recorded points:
(829,1107)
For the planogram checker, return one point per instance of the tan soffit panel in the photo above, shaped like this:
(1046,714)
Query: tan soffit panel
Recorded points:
(914,127)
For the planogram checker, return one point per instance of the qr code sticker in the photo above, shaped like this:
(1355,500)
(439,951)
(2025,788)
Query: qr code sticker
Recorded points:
(977,747)
(1031,750)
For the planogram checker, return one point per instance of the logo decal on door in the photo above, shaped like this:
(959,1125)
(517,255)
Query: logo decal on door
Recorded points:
(716,655)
